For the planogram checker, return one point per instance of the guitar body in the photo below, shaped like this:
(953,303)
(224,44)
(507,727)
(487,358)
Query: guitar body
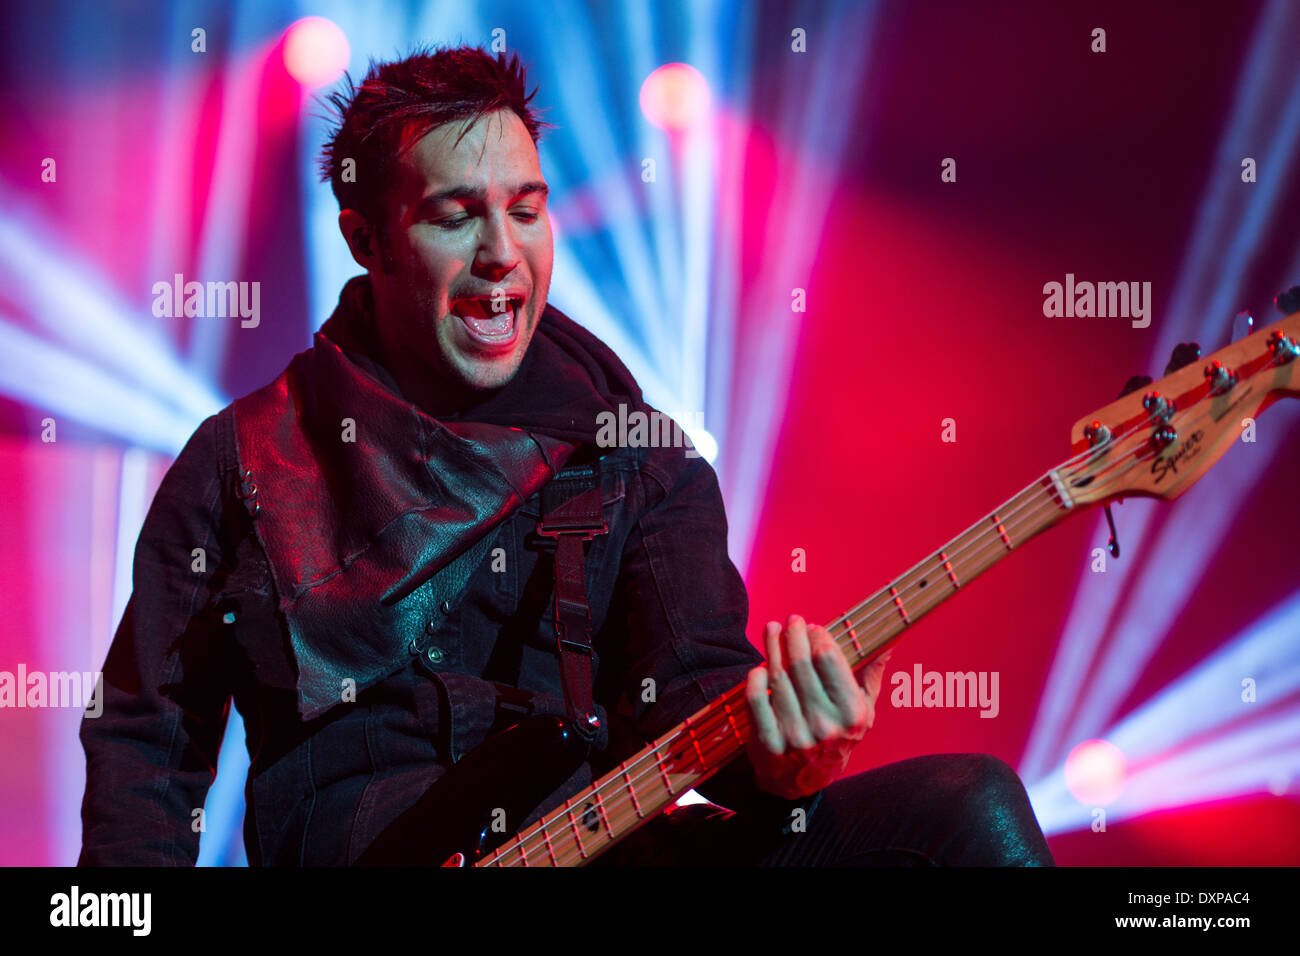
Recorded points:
(482,799)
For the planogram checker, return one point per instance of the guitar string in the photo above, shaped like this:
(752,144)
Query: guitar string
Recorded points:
(563,816)
(617,812)
(560,817)
(634,773)
(864,616)
(1139,455)
(713,736)
(712,731)
(1136,453)
(866,621)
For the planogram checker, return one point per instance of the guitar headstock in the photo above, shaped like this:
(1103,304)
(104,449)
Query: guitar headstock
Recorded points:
(1158,441)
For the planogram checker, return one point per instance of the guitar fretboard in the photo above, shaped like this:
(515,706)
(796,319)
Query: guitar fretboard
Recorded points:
(625,798)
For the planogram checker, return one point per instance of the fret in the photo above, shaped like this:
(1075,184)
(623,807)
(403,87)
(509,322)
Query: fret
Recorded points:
(898,603)
(573,822)
(698,752)
(549,849)
(659,761)
(636,804)
(947,566)
(600,808)
(731,721)
(1001,530)
(523,854)
(853,636)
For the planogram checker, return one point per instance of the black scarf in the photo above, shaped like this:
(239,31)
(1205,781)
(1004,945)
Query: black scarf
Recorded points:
(352,527)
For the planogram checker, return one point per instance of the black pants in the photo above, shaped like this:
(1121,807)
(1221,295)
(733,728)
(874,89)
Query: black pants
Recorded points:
(941,810)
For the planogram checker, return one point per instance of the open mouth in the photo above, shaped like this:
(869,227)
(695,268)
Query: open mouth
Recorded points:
(489,321)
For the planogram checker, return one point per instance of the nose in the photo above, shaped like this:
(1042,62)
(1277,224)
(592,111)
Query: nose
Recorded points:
(497,255)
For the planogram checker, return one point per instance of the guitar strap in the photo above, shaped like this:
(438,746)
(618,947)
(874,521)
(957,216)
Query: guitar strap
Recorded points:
(572,516)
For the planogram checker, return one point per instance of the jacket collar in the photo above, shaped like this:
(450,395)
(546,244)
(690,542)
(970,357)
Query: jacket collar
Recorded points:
(361,498)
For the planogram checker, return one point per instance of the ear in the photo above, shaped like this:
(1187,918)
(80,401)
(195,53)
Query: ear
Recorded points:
(361,240)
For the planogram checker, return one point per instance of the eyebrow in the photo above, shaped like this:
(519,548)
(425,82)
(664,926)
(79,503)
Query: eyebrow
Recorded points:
(476,194)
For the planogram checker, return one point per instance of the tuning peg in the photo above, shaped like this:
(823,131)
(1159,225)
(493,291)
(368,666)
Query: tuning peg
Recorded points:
(1133,384)
(1185,353)
(1242,325)
(1288,301)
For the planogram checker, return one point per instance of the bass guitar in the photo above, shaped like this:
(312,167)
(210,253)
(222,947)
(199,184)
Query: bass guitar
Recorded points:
(1154,444)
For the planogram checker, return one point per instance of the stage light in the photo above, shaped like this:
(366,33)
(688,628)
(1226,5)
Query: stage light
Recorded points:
(1094,772)
(316,51)
(650,257)
(1195,741)
(1119,619)
(704,443)
(675,97)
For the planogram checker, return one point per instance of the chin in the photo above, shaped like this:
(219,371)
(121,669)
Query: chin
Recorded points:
(483,372)
(485,379)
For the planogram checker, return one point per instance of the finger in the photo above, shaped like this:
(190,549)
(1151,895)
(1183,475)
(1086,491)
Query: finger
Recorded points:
(767,730)
(873,673)
(772,644)
(797,649)
(789,712)
(837,677)
(818,710)
(871,679)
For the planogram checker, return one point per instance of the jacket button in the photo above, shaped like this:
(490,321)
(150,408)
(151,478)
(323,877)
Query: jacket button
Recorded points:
(445,607)
(434,654)
(431,627)
(413,647)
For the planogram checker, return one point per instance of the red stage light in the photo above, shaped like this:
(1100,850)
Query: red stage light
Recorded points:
(675,96)
(316,51)
(1094,772)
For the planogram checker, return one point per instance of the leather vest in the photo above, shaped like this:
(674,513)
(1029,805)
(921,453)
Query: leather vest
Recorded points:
(358,498)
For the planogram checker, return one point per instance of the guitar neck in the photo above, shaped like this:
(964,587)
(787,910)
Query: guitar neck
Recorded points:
(595,819)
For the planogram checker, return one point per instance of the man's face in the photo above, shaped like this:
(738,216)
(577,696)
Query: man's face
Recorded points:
(471,251)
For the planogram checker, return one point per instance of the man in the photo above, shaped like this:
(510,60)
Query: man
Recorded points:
(351,553)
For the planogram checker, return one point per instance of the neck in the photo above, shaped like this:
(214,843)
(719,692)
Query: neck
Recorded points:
(426,383)
(432,388)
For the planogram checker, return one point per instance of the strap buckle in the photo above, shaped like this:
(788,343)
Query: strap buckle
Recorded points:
(554,528)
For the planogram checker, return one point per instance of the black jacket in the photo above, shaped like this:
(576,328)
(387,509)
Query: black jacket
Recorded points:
(455,655)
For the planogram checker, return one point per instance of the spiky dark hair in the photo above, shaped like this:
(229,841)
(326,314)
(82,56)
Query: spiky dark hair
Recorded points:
(400,101)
